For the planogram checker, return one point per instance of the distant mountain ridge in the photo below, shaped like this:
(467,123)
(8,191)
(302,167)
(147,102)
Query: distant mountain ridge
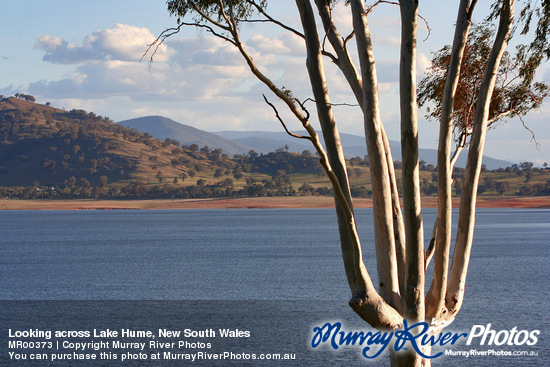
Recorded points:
(354,146)
(241,142)
(162,128)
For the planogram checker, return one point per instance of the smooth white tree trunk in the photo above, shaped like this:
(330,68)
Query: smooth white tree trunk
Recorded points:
(435,299)
(381,188)
(466,220)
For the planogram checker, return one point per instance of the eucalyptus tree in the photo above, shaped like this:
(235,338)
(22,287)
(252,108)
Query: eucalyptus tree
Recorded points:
(515,94)
(400,295)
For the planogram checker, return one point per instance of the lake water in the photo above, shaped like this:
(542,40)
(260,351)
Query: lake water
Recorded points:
(277,270)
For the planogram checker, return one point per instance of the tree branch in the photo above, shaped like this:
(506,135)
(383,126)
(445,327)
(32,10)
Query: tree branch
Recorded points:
(428,255)
(348,38)
(283,123)
(353,77)
(172,31)
(159,41)
(412,206)
(461,257)
(382,189)
(210,19)
(427,26)
(459,148)
(442,243)
(273,20)
(229,19)
(371,8)
(333,58)
(332,104)
(533,138)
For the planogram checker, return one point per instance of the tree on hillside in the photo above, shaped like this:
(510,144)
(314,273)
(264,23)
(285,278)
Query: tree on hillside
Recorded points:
(399,237)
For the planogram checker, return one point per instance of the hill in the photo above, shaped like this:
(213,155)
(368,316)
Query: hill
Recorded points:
(162,128)
(46,152)
(42,145)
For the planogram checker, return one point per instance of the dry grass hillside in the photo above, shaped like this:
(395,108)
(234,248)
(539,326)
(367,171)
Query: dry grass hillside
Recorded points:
(43,145)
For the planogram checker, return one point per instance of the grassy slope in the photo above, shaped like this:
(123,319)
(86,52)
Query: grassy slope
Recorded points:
(75,141)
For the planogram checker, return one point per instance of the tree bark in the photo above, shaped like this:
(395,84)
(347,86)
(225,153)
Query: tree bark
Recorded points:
(466,220)
(412,209)
(435,299)
(365,300)
(331,135)
(349,70)
(382,195)
(398,243)
(414,269)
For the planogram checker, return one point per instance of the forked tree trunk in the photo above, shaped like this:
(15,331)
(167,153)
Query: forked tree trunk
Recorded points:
(398,242)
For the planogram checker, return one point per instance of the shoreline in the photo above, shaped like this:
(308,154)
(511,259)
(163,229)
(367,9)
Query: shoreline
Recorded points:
(295,202)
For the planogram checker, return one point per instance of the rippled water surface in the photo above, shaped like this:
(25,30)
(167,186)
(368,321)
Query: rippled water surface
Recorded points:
(259,255)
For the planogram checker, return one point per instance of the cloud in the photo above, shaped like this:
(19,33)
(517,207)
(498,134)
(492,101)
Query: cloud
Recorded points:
(206,76)
(269,45)
(102,80)
(219,57)
(122,42)
(59,51)
(207,51)
(10,90)
(185,69)
(108,65)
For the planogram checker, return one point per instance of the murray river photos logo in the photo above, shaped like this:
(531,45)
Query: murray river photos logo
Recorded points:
(420,336)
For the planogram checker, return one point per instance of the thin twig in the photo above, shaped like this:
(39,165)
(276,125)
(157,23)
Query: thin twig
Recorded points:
(304,109)
(159,41)
(427,27)
(370,8)
(333,58)
(459,148)
(533,138)
(171,31)
(500,115)
(283,123)
(348,38)
(332,104)
(273,20)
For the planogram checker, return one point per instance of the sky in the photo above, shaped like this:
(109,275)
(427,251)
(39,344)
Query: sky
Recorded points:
(88,55)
